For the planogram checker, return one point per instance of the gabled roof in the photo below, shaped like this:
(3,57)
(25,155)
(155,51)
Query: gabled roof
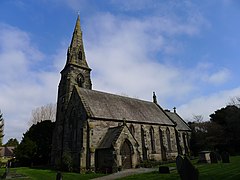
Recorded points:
(114,107)
(6,151)
(111,137)
(181,124)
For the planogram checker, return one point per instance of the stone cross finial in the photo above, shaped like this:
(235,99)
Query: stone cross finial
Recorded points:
(154,98)
(174,109)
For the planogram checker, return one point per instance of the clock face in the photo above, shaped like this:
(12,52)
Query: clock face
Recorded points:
(80,80)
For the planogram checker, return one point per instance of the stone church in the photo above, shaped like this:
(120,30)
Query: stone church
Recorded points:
(98,130)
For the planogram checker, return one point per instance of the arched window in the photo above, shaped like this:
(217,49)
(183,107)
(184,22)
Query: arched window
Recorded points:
(80,80)
(168,140)
(144,149)
(188,140)
(185,143)
(163,149)
(132,130)
(152,140)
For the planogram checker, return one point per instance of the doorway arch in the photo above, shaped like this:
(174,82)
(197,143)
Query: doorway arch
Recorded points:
(126,153)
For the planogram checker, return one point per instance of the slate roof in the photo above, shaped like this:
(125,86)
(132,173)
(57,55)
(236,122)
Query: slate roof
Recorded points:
(111,137)
(181,124)
(114,107)
(6,151)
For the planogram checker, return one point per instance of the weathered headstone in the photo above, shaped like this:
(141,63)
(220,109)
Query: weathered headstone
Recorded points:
(219,158)
(164,170)
(225,157)
(179,163)
(213,157)
(59,176)
(204,157)
(185,169)
(190,172)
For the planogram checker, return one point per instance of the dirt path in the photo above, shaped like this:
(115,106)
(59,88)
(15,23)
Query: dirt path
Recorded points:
(125,173)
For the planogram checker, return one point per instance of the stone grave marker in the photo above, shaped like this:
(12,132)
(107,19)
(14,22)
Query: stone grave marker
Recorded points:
(186,170)
(179,163)
(225,157)
(213,157)
(59,176)
(204,157)
(164,170)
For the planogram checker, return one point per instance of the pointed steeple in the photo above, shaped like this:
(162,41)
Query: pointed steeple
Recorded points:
(77,34)
(76,54)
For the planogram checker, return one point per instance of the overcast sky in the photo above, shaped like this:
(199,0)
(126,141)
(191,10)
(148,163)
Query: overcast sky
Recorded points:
(187,51)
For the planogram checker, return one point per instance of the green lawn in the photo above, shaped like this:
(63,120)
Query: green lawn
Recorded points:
(40,174)
(218,171)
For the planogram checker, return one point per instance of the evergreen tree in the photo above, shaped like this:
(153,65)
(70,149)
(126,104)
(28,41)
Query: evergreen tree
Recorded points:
(12,142)
(35,147)
(229,119)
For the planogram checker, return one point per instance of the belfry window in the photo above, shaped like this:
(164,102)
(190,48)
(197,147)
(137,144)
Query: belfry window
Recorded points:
(80,55)
(80,80)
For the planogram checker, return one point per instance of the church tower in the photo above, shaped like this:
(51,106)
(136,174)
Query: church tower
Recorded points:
(75,73)
(76,70)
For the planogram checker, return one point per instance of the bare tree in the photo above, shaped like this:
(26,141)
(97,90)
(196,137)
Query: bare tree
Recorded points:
(234,101)
(198,118)
(46,112)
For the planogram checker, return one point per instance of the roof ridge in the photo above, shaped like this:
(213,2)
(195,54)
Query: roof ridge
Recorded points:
(112,94)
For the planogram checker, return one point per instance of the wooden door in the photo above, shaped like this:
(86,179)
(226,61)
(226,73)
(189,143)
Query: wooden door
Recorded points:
(126,153)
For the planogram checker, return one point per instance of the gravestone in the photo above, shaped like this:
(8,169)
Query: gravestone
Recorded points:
(225,157)
(179,163)
(213,157)
(164,170)
(59,176)
(204,157)
(186,170)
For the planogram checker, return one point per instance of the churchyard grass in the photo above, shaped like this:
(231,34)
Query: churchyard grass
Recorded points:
(226,171)
(40,174)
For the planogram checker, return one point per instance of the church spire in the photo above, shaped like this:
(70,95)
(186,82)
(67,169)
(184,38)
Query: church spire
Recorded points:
(77,34)
(76,54)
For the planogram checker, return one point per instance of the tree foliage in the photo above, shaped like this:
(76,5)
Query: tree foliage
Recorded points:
(205,136)
(12,142)
(229,119)
(46,112)
(220,133)
(35,147)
